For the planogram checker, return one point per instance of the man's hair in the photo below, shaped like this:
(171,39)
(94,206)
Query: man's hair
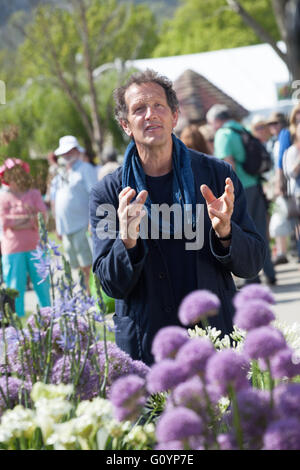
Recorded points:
(218,111)
(138,78)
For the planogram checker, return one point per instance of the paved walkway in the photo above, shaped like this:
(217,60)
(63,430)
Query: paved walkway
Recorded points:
(287,293)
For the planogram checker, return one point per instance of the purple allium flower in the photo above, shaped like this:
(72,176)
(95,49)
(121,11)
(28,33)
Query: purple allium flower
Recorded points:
(283,364)
(287,399)
(253,314)
(12,337)
(140,368)
(178,424)
(197,305)
(12,388)
(191,394)
(83,374)
(164,376)
(253,292)
(41,321)
(167,342)
(263,342)
(120,363)
(227,368)
(283,434)
(255,414)
(171,445)
(194,354)
(126,390)
(128,396)
(227,442)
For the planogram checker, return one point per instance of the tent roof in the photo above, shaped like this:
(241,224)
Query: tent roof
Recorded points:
(247,74)
(196,95)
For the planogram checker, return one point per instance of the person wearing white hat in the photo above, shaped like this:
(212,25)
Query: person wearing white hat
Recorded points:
(69,195)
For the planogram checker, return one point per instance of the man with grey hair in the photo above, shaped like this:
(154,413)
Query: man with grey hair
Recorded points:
(150,275)
(69,195)
(228,146)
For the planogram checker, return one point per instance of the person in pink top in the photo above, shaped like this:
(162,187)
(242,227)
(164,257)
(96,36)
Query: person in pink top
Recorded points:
(19,206)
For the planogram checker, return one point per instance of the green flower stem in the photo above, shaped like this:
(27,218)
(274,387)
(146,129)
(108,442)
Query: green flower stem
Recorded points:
(236,417)
(271,383)
(48,351)
(205,323)
(255,374)
(102,310)
(210,411)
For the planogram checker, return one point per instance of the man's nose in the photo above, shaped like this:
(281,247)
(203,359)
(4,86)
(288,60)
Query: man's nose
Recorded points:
(149,112)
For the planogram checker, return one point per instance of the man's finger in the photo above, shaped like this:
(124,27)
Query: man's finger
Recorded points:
(126,198)
(142,197)
(207,194)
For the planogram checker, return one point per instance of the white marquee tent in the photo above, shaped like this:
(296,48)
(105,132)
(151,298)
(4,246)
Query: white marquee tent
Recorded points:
(250,75)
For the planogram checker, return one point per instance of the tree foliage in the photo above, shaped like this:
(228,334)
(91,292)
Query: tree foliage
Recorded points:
(206,25)
(64,44)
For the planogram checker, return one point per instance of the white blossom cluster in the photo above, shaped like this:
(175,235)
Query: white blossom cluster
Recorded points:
(89,428)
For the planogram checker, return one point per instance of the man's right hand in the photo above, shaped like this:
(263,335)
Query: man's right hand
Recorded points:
(130,215)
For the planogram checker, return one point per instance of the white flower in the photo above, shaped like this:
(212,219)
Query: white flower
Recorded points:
(63,436)
(18,422)
(98,406)
(49,391)
(84,426)
(56,408)
(49,412)
(291,332)
(140,435)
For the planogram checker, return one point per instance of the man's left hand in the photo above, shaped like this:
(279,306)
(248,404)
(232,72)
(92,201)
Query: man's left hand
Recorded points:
(220,209)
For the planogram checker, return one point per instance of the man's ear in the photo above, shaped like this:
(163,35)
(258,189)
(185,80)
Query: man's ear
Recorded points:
(125,126)
(175,118)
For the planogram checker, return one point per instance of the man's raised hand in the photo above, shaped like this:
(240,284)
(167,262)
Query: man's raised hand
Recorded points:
(130,215)
(220,209)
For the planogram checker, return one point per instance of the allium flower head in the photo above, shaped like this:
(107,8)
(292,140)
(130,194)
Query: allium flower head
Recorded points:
(164,376)
(128,396)
(88,381)
(41,320)
(253,292)
(167,342)
(12,388)
(190,394)
(255,414)
(253,314)
(194,354)
(126,389)
(287,399)
(120,363)
(197,305)
(178,424)
(263,342)
(283,434)
(171,445)
(140,368)
(227,368)
(283,364)
(227,442)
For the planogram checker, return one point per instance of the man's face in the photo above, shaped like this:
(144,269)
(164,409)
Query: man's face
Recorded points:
(150,120)
(216,124)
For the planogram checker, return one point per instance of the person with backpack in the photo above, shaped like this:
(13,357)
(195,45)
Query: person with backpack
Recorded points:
(249,159)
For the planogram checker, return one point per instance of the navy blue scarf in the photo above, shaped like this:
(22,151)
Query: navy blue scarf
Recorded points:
(183,179)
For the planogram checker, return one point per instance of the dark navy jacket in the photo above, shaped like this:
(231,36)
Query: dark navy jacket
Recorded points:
(144,300)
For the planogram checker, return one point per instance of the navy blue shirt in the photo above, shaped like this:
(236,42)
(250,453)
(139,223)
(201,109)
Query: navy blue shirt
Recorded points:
(181,263)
